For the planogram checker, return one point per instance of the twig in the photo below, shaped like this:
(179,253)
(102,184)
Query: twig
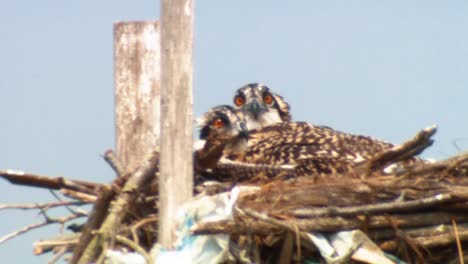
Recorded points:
(266,219)
(328,224)
(438,166)
(285,255)
(65,240)
(39,205)
(129,243)
(84,197)
(135,182)
(48,220)
(457,239)
(102,254)
(111,158)
(58,255)
(291,227)
(62,220)
(426,231)
(35,180)
(95,219)
(142,222)
(21,231)
(373,208)
(71,210)
(410,148)
(441,240)
(400,235)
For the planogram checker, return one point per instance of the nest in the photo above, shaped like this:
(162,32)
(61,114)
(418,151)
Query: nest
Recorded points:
(418,214)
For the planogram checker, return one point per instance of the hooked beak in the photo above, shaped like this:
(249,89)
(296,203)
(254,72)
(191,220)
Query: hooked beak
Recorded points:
(243,132)
(255,108)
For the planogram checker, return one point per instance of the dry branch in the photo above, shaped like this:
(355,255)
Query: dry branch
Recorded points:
(383,207)
(457,239)
(64,240)
(328,224)
(21,231)
(59,252)
(80,196)
(51,183)
(411,212)
(137,180)
(95,219)
(132,245)
(48,220)
(39,205)
(405,151)
(111,159)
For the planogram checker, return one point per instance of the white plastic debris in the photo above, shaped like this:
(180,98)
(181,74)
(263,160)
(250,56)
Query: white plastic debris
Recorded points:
(195,249)
(117,257)
(368,252)
(200,248)
(323,245)
(340,244)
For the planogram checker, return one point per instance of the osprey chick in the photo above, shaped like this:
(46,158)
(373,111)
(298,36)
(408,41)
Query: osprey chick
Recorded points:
(222,133)
(259,106)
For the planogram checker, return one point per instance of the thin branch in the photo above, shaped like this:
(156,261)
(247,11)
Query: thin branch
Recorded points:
(136,181)
(35,180)
(438,166)
(111,158)
(71,210)
(328,224)
(374,208)
(266,219)
(142,222)
(408,149)
(48,220)
(64,240)
(95,219)
(39,205)
(84,197)
(291,227)
(441,240)
(129,243)
(58,255)
(457,239)
(22,230)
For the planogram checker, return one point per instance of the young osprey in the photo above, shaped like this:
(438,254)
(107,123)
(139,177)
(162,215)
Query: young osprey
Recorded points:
(308,148)
(260,107)
(222,133)
(302,147)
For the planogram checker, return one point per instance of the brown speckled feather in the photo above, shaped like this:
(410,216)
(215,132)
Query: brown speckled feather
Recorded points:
(310,149)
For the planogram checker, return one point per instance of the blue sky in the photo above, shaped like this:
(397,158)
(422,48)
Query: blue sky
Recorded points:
(380,68)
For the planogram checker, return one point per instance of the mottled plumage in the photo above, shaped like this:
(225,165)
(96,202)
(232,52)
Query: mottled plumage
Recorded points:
(259,106)
(310,149)
(298,148)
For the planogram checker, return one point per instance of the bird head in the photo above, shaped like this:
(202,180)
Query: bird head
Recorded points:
(258,106)
(221,125)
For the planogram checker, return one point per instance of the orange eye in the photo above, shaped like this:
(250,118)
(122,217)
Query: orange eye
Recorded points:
(239,100)
(218,123)
(268,99)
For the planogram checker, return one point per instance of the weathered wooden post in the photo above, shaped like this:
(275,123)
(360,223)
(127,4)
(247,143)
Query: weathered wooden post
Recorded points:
(137,106)
(176,168)
(137,91)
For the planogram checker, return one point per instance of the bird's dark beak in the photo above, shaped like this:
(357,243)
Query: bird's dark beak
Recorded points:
(255,108)
(243,132)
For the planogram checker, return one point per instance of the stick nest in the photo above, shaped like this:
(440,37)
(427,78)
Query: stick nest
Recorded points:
(417,214)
